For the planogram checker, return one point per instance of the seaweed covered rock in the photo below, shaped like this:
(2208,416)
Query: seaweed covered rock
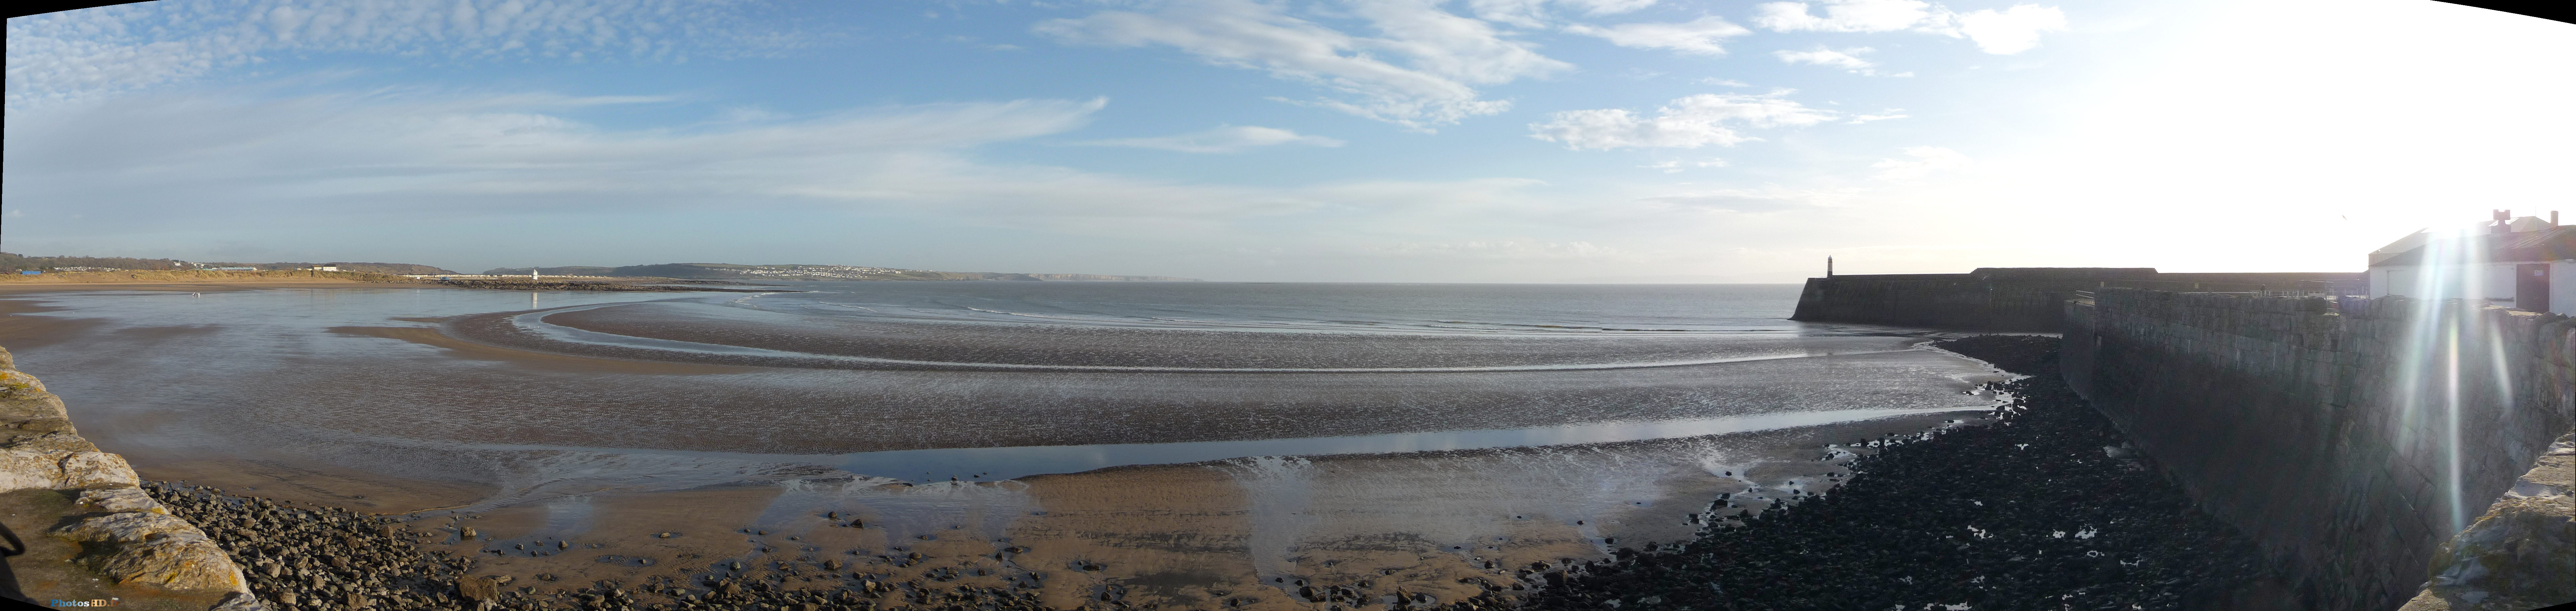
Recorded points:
(2521,554)
(2042,508)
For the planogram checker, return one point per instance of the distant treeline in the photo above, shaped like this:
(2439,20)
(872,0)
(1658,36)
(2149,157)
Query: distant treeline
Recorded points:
(13,263)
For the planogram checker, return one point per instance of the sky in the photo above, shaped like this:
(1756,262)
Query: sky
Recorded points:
(1287,140)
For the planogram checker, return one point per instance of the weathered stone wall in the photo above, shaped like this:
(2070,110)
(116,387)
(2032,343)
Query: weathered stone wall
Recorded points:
(2350,437)
(124,535)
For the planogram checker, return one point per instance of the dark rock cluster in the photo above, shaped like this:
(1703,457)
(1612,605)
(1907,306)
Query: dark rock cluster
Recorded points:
(298,557)
(2042,508)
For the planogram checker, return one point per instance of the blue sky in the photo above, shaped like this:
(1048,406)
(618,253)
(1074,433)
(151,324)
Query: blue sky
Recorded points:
(1342,140)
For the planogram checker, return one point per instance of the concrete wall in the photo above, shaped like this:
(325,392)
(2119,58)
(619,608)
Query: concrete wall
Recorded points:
(2342,434)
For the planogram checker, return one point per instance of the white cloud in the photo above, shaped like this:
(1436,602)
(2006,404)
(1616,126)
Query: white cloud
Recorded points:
(2012,30)
(1446,55)
(2003,32)
(1221,140)
(1751,201)
(1676,166)
(169,164)
(1844,16)
(1847,59)
(1926,160)
(1690,122)
(1699,36)
(1723,82)
(1534,13)
(1892,113)
(76,54)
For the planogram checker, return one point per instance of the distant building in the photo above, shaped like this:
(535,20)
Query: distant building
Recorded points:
(2527,261)
(326,268)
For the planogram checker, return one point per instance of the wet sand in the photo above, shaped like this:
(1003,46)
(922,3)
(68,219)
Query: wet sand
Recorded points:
(1244,533)
(590,457)
(462,349)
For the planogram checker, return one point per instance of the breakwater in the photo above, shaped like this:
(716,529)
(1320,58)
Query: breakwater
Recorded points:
(2349,437)
(2015,298)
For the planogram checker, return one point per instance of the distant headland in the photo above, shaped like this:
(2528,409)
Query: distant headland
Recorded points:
(15,264)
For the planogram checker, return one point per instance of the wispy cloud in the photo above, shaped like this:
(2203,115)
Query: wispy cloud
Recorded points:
(82,53)
(1676,166)
(2005,32)
(1701,36)
(1690,122)
(1444,56)
(1845,16)
(1847,59)
(1535,13)
(1892,113)
(1926,160)
(1772,198)
(1225,139)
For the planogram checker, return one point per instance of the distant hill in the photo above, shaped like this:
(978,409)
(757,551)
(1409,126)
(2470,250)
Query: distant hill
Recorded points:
(729,271)
(380,268)
(11,262)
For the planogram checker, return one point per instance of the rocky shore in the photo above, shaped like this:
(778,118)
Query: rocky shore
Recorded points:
(299,557)
(2044,508)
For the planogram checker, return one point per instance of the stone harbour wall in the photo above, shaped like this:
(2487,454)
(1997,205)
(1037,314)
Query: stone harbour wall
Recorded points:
(2010,298)
(123,535)
(2350,437)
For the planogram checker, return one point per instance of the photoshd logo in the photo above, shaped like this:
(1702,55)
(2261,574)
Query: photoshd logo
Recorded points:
(111,602)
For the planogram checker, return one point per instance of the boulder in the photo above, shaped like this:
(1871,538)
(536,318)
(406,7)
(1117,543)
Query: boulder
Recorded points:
(15,384)
(121,499)
(478,588)
(178,561)
(20,470)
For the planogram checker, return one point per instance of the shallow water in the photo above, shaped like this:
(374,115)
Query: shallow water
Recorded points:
(1469,403)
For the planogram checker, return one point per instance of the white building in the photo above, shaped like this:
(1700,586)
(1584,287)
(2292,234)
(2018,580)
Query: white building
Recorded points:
(2528,263)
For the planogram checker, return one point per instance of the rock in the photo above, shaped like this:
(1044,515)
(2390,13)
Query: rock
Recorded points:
(241,602)
(468,532)
(15,383)
(131,527)
(478,589)
(2522,553)
(121,499)
(6,361)
(20,470)
(178,561)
